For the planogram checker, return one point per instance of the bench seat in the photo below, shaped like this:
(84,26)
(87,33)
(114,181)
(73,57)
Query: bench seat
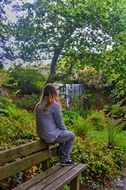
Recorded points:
(21,158)
(54,178)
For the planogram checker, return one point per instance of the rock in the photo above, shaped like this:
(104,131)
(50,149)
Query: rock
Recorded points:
(120,182)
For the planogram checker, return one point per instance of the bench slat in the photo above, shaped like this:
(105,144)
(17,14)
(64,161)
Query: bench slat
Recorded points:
(22,150)
(66,178)
(20,165)
(37,178)
(49,179)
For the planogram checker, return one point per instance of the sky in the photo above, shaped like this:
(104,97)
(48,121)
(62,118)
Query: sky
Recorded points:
(9,9)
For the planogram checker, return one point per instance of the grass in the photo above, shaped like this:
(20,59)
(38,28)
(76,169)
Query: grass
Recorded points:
(121,139)
(102,137)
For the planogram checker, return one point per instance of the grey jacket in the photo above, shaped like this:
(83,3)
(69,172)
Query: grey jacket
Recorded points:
(49,124)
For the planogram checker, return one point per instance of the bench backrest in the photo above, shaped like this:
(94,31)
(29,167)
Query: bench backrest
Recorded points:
(23,157)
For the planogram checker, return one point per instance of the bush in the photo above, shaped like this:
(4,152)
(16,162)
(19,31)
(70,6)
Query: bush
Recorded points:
(70,117)
(97,120)
(16,126)
(17,129)
(5,102)
(27,80)
(91,77)
(28,101)
(104,163)
(4,112)
(80,127)
(113,130)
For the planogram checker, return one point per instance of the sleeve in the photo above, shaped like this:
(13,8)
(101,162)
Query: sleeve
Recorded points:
(57,113)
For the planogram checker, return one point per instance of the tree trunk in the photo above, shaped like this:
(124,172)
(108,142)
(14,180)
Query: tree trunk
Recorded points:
(54,60)
(54,64)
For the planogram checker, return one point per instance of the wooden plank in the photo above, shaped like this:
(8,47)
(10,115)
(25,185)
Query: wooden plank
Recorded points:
(22,164)
(66,178)
(50,179)
(75,183)
(38,178)
(22,150)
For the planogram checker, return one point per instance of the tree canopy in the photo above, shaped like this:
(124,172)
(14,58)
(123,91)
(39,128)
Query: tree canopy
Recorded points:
(65,27)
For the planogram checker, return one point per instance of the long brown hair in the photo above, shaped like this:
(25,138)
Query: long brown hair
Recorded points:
(49,93)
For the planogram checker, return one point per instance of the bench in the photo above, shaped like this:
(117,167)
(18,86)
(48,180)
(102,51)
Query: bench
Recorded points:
(22,157)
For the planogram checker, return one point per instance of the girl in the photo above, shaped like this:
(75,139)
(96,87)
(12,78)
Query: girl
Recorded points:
(50,126)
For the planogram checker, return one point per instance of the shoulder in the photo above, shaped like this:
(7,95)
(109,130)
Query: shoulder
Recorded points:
(55,105)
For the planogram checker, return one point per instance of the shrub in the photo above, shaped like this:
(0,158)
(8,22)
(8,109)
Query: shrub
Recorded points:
(15,131)
(97,120)
(89,99)
(91,77)
(104,163)
(4,112)
(16,126)
(70,117)
(5,102)
(28,101)
(113,130)
(80,127)
(27,80)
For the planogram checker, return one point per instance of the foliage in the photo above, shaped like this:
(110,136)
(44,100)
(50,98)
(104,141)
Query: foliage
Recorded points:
(66,187)
(117,110)
(5,102)
(1,66)
(16,129)
(3,76)
(17,126)
(64,27)
(7,51)
(27,80)
(88,99)
(97,120)
(93,124)
(80,127)
(113,68)
(91,77)
(103,162)
(28,102)
(4,112)
(70,117)
(113,129)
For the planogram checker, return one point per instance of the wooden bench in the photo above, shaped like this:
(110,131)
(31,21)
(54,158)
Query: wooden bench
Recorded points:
(25,156)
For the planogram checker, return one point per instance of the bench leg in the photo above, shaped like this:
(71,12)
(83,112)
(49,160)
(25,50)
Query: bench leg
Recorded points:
(75,183)
(46,164)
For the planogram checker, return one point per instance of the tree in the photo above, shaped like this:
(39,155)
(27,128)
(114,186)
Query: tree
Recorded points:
(67,26)
(7,51)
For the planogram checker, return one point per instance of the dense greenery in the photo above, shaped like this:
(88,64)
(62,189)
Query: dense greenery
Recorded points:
(54,29)
(86,42)
(91,128)
(17,126)
(26,80)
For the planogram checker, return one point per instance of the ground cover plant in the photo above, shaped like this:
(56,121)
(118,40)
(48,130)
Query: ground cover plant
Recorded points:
(100,140)
(17,126)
